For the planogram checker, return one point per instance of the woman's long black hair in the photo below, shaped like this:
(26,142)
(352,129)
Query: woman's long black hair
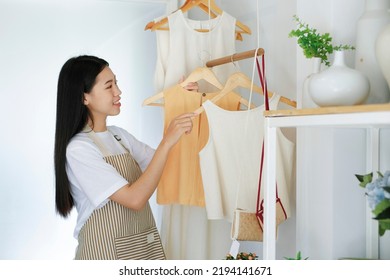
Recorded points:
(77,76)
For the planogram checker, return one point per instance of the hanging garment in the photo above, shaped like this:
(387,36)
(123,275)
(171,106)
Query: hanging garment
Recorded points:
(188,49)
(115,232)
(181,181)
(187,234)
(162,40)
(231,160)
(185,231)
(207,6)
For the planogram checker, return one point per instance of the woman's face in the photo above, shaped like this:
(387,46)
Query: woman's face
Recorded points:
(103,100)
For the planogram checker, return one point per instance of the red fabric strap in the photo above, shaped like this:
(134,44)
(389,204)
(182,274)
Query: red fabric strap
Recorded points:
(263,82)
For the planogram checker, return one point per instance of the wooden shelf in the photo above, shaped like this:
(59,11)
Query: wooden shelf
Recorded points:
(329,110)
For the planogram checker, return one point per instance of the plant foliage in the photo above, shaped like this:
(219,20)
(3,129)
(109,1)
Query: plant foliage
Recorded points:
(313,43)
(242,256)
(297,257)
(378,197)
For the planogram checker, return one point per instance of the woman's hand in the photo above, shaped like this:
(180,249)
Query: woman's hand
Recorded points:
(191,86)
(177,127)
(136,195)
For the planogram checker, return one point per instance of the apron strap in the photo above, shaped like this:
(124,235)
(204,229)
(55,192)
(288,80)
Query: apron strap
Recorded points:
(87,129)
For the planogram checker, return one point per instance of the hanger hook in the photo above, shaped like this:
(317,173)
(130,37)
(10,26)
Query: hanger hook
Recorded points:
(204,56)
(232,60)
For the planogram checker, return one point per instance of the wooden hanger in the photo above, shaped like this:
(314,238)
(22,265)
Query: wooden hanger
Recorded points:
(196,75)
(188,5)
(200,73)
(213,10)
(239,79)
(159,25)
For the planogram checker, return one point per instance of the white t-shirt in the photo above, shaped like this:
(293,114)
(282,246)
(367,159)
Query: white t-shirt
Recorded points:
(91,178)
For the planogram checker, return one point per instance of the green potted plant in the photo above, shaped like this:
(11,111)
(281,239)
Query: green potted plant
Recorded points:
(313,43)
(297,257)
(338,85)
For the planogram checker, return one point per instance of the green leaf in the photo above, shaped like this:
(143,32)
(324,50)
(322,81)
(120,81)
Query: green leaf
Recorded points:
(387,189)
(385,214)
(359,177)
(364,179)
(297,257)
(381,207)
(383,226)
(343,48)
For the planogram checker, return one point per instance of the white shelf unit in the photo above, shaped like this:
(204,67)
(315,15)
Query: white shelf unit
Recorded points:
(372,117)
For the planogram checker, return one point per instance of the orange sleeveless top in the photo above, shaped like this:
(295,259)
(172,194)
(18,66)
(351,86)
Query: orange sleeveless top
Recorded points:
(181,181)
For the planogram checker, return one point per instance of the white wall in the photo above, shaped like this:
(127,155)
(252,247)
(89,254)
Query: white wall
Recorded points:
(36,38)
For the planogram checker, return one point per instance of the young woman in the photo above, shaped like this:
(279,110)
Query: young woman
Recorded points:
(103,171)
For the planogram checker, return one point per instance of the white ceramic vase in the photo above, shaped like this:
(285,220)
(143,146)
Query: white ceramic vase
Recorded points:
(306,101)
(339,85)
(375,17)
(383,53)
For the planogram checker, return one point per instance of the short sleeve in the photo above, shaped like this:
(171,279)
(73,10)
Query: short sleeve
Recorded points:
(141,152)
(90,174)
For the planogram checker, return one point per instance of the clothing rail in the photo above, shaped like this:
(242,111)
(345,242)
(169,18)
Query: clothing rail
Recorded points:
(241,56)
(234,57)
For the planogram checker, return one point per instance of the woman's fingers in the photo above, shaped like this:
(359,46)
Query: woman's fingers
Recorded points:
(178,126)
(184,121)
(186,116)
(192,86)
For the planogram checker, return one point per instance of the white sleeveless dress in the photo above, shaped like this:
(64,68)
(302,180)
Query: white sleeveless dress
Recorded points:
(230,161)
(183,49)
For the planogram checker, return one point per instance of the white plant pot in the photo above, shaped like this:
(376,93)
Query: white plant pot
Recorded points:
(339,85)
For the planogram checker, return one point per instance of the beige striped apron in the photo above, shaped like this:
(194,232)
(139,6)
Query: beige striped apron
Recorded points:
(115,232)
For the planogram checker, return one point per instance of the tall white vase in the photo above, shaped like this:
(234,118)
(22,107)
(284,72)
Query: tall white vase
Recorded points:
(383,52)
(339,85)
(369,25)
